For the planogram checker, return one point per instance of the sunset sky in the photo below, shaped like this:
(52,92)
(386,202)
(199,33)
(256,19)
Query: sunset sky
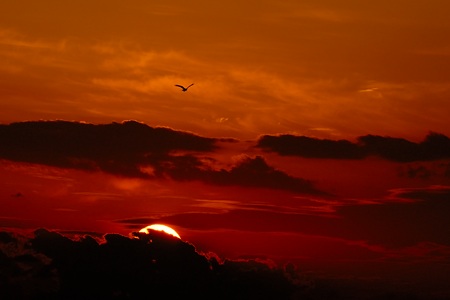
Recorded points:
(316,132)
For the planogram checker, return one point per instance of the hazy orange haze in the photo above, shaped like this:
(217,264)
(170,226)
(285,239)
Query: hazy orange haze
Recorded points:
(334,69)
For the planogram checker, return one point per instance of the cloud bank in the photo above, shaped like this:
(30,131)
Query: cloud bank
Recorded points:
(56,267)
(50,265)
(435,146)
(133,149)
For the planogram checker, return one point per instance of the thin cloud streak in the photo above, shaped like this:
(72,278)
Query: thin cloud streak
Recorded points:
(415,216)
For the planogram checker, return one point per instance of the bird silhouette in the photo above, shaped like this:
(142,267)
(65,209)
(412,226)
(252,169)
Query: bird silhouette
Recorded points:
(184,89)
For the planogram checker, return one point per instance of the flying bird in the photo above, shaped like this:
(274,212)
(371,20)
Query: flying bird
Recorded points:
(184,89)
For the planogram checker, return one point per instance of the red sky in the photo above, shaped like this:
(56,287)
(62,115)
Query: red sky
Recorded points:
(314,132)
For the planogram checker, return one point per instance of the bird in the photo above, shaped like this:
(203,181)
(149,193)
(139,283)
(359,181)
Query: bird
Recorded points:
(184,89)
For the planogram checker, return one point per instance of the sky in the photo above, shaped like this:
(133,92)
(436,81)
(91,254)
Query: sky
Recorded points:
(315,132)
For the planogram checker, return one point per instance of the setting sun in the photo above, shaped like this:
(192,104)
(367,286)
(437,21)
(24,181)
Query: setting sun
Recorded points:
(160,227)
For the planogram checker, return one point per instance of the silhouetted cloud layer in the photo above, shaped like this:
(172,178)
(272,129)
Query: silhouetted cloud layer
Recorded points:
(248,172)
(114,148)
(145,267)
(52,266)
(435,146)
(134,149)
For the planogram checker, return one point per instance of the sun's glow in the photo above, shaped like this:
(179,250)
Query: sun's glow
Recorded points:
(160,227)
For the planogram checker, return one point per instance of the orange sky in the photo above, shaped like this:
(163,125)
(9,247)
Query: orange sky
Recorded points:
(329,69)
(349,92)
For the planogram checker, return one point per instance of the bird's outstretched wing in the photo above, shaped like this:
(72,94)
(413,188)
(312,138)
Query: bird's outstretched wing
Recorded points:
(184,88)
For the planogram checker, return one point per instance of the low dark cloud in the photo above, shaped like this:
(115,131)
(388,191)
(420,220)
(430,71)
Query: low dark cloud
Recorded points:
(248,172)
(50,265)
(435,146)
(145,266)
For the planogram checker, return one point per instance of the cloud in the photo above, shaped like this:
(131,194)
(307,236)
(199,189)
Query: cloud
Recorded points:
(425,171)
(24,273)
(133,149)
(59,267)
(249,172)
(435,146)
(309,147)
(51,265)
(113,148)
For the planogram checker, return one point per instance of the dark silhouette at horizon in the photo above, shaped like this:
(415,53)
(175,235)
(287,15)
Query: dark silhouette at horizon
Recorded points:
(56,267)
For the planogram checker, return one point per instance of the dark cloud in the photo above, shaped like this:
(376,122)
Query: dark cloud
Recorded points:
(50,265)
(115,148)
(425,170)
(134,149)
(435,146)
(6,238)
(256,172)
(287,144)
(153,265)
(248,172)
(24,274)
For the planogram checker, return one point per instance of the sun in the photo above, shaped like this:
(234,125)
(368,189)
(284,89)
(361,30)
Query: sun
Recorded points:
(160,227)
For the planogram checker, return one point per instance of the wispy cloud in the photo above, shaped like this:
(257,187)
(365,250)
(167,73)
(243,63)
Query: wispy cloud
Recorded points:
(417,216)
